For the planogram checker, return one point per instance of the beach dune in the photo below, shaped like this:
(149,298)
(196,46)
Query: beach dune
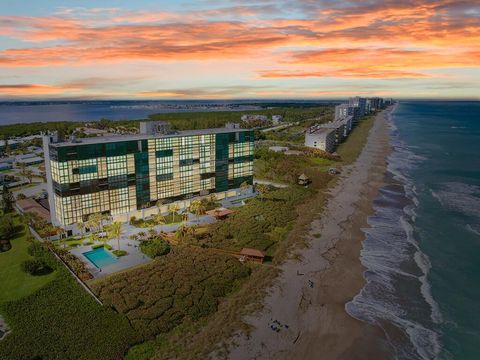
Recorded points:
(304,313)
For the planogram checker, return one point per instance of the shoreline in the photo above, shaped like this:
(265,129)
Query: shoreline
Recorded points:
(310,294)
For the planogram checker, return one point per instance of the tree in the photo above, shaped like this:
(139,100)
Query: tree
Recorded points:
(95,221)
(173,209)
(58,231)
(181,231)
(81,225)
(262,189)
(198,208)
(7,200)
(244,187)
(32,218)
(115,232)
(159,219)
(7,227)
(213,199)
(28,174)
(141,235)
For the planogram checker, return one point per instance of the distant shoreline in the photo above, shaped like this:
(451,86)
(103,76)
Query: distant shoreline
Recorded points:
(26,112)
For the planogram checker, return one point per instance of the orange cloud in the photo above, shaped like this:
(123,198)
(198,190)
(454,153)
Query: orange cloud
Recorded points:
(375,39)
(386,63)
(29,89)
(343,73)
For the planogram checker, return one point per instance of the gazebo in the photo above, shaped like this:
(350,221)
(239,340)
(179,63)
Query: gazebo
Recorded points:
(219,213)
(303,180)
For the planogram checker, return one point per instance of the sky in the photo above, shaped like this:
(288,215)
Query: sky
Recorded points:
(220,49)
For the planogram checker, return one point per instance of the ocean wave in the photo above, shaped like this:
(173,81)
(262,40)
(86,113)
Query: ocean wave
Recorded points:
(397,295)
(460,197)
(473,229)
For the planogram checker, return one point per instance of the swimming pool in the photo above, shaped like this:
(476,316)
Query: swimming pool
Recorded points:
(100,257)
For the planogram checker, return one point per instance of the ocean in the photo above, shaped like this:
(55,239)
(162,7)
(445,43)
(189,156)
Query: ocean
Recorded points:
(422,247)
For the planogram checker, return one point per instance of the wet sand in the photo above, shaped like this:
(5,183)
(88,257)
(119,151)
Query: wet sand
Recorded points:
(307,301)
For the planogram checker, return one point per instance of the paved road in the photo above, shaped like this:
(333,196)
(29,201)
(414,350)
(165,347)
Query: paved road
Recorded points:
(31,191)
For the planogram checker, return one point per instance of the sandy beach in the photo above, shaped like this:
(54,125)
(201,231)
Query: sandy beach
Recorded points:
(307,301)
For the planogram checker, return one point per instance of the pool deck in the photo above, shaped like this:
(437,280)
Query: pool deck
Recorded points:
(134,258)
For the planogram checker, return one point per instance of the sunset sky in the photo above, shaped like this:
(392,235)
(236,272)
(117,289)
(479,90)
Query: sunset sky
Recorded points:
(239,49)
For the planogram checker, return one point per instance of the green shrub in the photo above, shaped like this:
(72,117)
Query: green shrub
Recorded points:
(155,247)
(255,225)
(36,267)
(184,285)
(56,323)
(106,246)
(119,253)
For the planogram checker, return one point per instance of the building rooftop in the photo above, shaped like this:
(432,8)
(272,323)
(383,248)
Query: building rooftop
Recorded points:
(30,205)
(30,160)
(133,137)
(319,131)
(252,252)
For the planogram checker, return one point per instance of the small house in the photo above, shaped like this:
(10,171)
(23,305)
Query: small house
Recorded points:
(254,255)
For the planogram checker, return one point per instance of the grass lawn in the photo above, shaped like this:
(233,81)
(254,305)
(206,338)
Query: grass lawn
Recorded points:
(14,283)
(352,147)
(52,316)
(26,186)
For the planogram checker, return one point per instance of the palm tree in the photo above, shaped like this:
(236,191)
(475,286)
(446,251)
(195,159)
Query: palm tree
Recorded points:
(198,208)
(212,200)
(181,231)
(104,217)
(115,232)
(262,189)
(159,220)
(244,187)
(94,221)
(173,209)
(81,226)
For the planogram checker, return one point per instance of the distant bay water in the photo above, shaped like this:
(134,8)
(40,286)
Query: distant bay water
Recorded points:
(28,112)
(422,249)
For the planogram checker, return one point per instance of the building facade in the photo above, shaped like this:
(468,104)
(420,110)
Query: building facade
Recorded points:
(321,138)
(124,174)
(359,103)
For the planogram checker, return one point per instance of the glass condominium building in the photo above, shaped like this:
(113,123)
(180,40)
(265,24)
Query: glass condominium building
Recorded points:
(123,174)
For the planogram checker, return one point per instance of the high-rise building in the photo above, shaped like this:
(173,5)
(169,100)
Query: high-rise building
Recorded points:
(125,174)
(360,103)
